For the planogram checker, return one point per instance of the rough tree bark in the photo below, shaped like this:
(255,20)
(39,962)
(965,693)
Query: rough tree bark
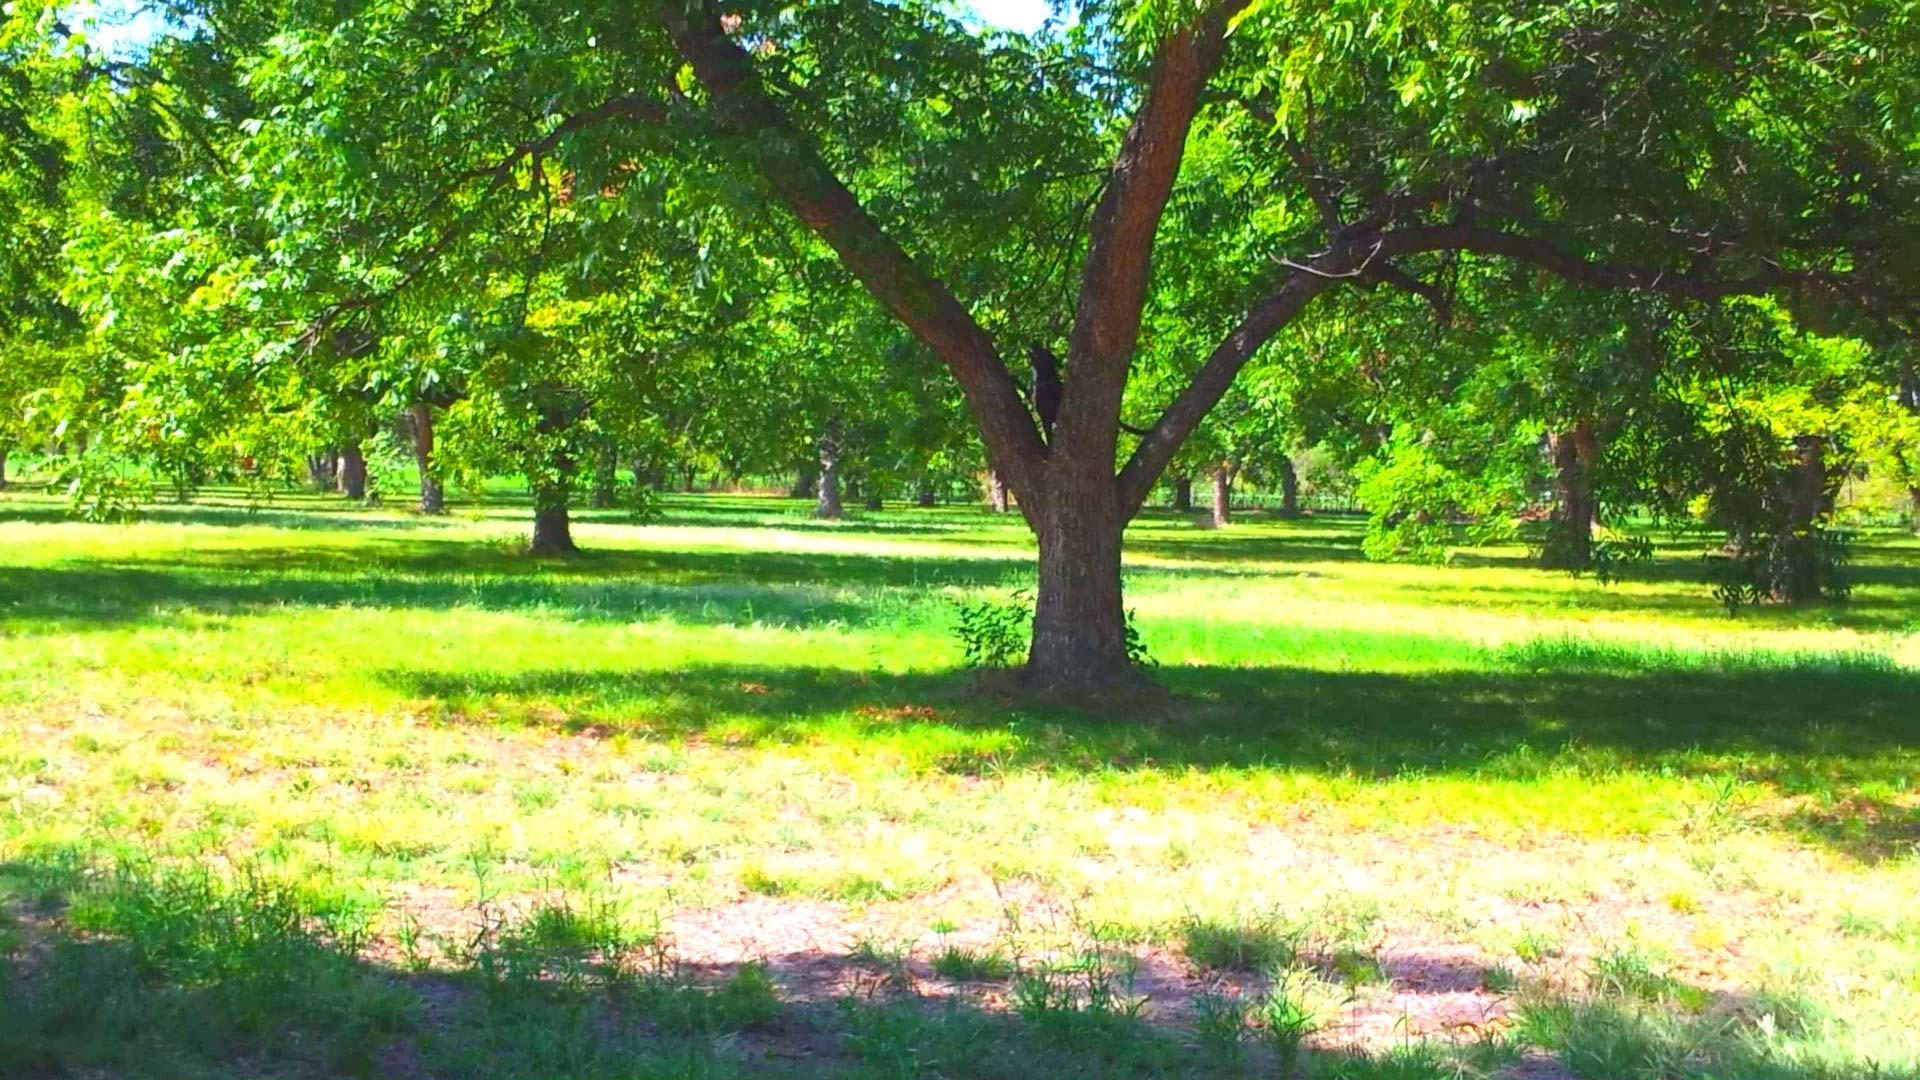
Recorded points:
(1289,488)
(1222,495)
(828,506)
(353,471)
(1183,494)
(433,496)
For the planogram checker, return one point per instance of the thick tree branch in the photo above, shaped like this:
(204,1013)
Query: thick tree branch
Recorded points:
(1114,278)
(1362,257)
(1707,281)
(1178,421)
(788,161)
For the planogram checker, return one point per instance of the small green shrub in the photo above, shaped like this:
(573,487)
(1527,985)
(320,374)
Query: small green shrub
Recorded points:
(994,633)
(1244,945)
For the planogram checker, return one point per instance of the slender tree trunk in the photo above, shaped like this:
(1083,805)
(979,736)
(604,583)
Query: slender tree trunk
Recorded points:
(353,471)
(433,497)
(996,492)
(923,492)
(1079,622)
(1183,494)
(1289,488)
(1570,542)
(1809,494)
(806,481)
(686,480)
(606,477)
(1222,496)
(829,492)
(3,467)
(320,470)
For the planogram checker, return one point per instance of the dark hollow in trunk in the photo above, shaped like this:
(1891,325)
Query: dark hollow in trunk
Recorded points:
(997,492)
(552,528)
(353,471)
(1079,621)
(829,507)
(433,497)
(1289,488)
(1183,494)
(1222,496)
(923,493)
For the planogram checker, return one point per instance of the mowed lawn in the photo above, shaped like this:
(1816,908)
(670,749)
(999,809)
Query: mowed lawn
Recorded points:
(302,790)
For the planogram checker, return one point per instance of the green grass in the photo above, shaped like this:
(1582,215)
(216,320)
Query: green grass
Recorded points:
(312,790)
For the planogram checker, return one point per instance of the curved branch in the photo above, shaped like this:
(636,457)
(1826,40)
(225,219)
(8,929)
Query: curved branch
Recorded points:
(791,164)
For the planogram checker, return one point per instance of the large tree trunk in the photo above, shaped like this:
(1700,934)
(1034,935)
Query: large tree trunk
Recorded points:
(433,497)
(1222,495)
(353,471)
(552,528)
(996,492)
(829,506)
(1183,494)
(1289,488)
(1079,622)
(1570,540)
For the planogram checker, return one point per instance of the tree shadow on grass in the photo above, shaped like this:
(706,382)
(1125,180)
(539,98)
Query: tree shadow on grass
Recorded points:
(146,973)
(1817,728)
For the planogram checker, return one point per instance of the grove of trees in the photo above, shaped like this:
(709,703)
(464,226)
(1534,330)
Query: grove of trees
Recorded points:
(1578,260)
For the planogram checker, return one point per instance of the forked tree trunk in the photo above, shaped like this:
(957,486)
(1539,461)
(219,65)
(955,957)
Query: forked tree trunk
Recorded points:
(829,507)
(433,497)
(1222,496)
(1079,621)
(1183,494)
(1289,488)
(353,471)
(552,528)
(996,492)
